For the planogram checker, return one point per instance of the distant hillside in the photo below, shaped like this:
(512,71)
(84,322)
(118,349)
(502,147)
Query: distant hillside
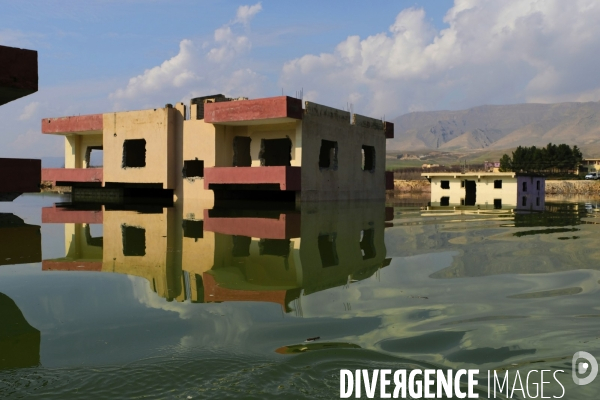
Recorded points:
(500,127)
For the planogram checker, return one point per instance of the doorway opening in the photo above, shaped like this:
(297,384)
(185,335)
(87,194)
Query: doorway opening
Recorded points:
(470,193)
(241,151)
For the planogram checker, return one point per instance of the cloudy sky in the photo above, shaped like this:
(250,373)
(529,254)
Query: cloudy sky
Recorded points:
(387,58)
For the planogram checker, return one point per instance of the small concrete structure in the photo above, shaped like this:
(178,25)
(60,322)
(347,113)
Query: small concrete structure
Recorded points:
(228,149)
(18,78)
(488,190)
(18,176)
(589,165)
(18,73)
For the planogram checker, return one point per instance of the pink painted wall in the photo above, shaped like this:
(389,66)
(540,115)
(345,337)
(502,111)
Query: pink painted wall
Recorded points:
(249,110)
(72,175)
(81,123)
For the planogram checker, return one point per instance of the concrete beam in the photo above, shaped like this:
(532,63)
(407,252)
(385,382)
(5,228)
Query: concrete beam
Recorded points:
(320,110)
(287,226)
(58,215)
(388,127)
(53,265)
(288,178)
(20,175)
(18,73)
(213,292)
(80,124)
(367,122)
(84,175)
(275,109)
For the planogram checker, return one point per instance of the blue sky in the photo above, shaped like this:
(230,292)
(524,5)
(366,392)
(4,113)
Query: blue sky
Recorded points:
(387,58)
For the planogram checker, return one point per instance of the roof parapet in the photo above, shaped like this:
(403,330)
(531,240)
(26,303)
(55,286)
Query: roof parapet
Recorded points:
(75,124)
(281,108)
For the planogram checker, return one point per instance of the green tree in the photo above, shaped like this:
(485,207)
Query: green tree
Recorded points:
(505,163)
(552,158)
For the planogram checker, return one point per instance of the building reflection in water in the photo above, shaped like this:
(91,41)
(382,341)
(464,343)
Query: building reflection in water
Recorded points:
(528,246)
(217,255)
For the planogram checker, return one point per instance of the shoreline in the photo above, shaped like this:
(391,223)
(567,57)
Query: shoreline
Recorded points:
(553,187)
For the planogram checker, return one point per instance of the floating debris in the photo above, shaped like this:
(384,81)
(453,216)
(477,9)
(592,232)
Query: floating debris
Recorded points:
(302,348)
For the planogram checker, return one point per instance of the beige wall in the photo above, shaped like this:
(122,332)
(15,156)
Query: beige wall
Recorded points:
(349,181)
(76,146)
(198,143)
(510,194)
(163,156)
(225,135)
(159,265)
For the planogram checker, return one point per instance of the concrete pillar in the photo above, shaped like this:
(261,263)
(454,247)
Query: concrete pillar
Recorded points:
(72,151)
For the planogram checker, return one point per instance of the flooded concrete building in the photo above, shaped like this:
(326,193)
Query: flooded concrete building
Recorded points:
(227,149)
(489,190)
(18,78)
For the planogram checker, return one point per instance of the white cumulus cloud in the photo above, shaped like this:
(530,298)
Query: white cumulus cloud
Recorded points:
(246,13)
(175,72)
(29,111)
(491,52)
(198,69)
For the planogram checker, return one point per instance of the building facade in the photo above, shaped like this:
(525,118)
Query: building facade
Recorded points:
(271,148)
(502,190)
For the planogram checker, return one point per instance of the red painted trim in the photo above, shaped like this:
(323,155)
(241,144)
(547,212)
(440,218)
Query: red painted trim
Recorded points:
(388,127)
(72,175)
(50,265)
(54,215)
(20,176)
(80,123)
(288,178)
(251,110)
(213,293)
(286,227)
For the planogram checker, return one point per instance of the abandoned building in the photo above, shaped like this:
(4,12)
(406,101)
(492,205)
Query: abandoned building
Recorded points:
(269,148)
(229,255)
(18,78)
(488,190)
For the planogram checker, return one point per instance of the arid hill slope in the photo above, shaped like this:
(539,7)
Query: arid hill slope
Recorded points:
(500,127)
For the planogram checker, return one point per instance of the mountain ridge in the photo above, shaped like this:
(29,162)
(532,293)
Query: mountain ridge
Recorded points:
(496,127)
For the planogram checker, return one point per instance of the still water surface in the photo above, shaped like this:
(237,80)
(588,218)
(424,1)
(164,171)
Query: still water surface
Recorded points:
(151,303)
